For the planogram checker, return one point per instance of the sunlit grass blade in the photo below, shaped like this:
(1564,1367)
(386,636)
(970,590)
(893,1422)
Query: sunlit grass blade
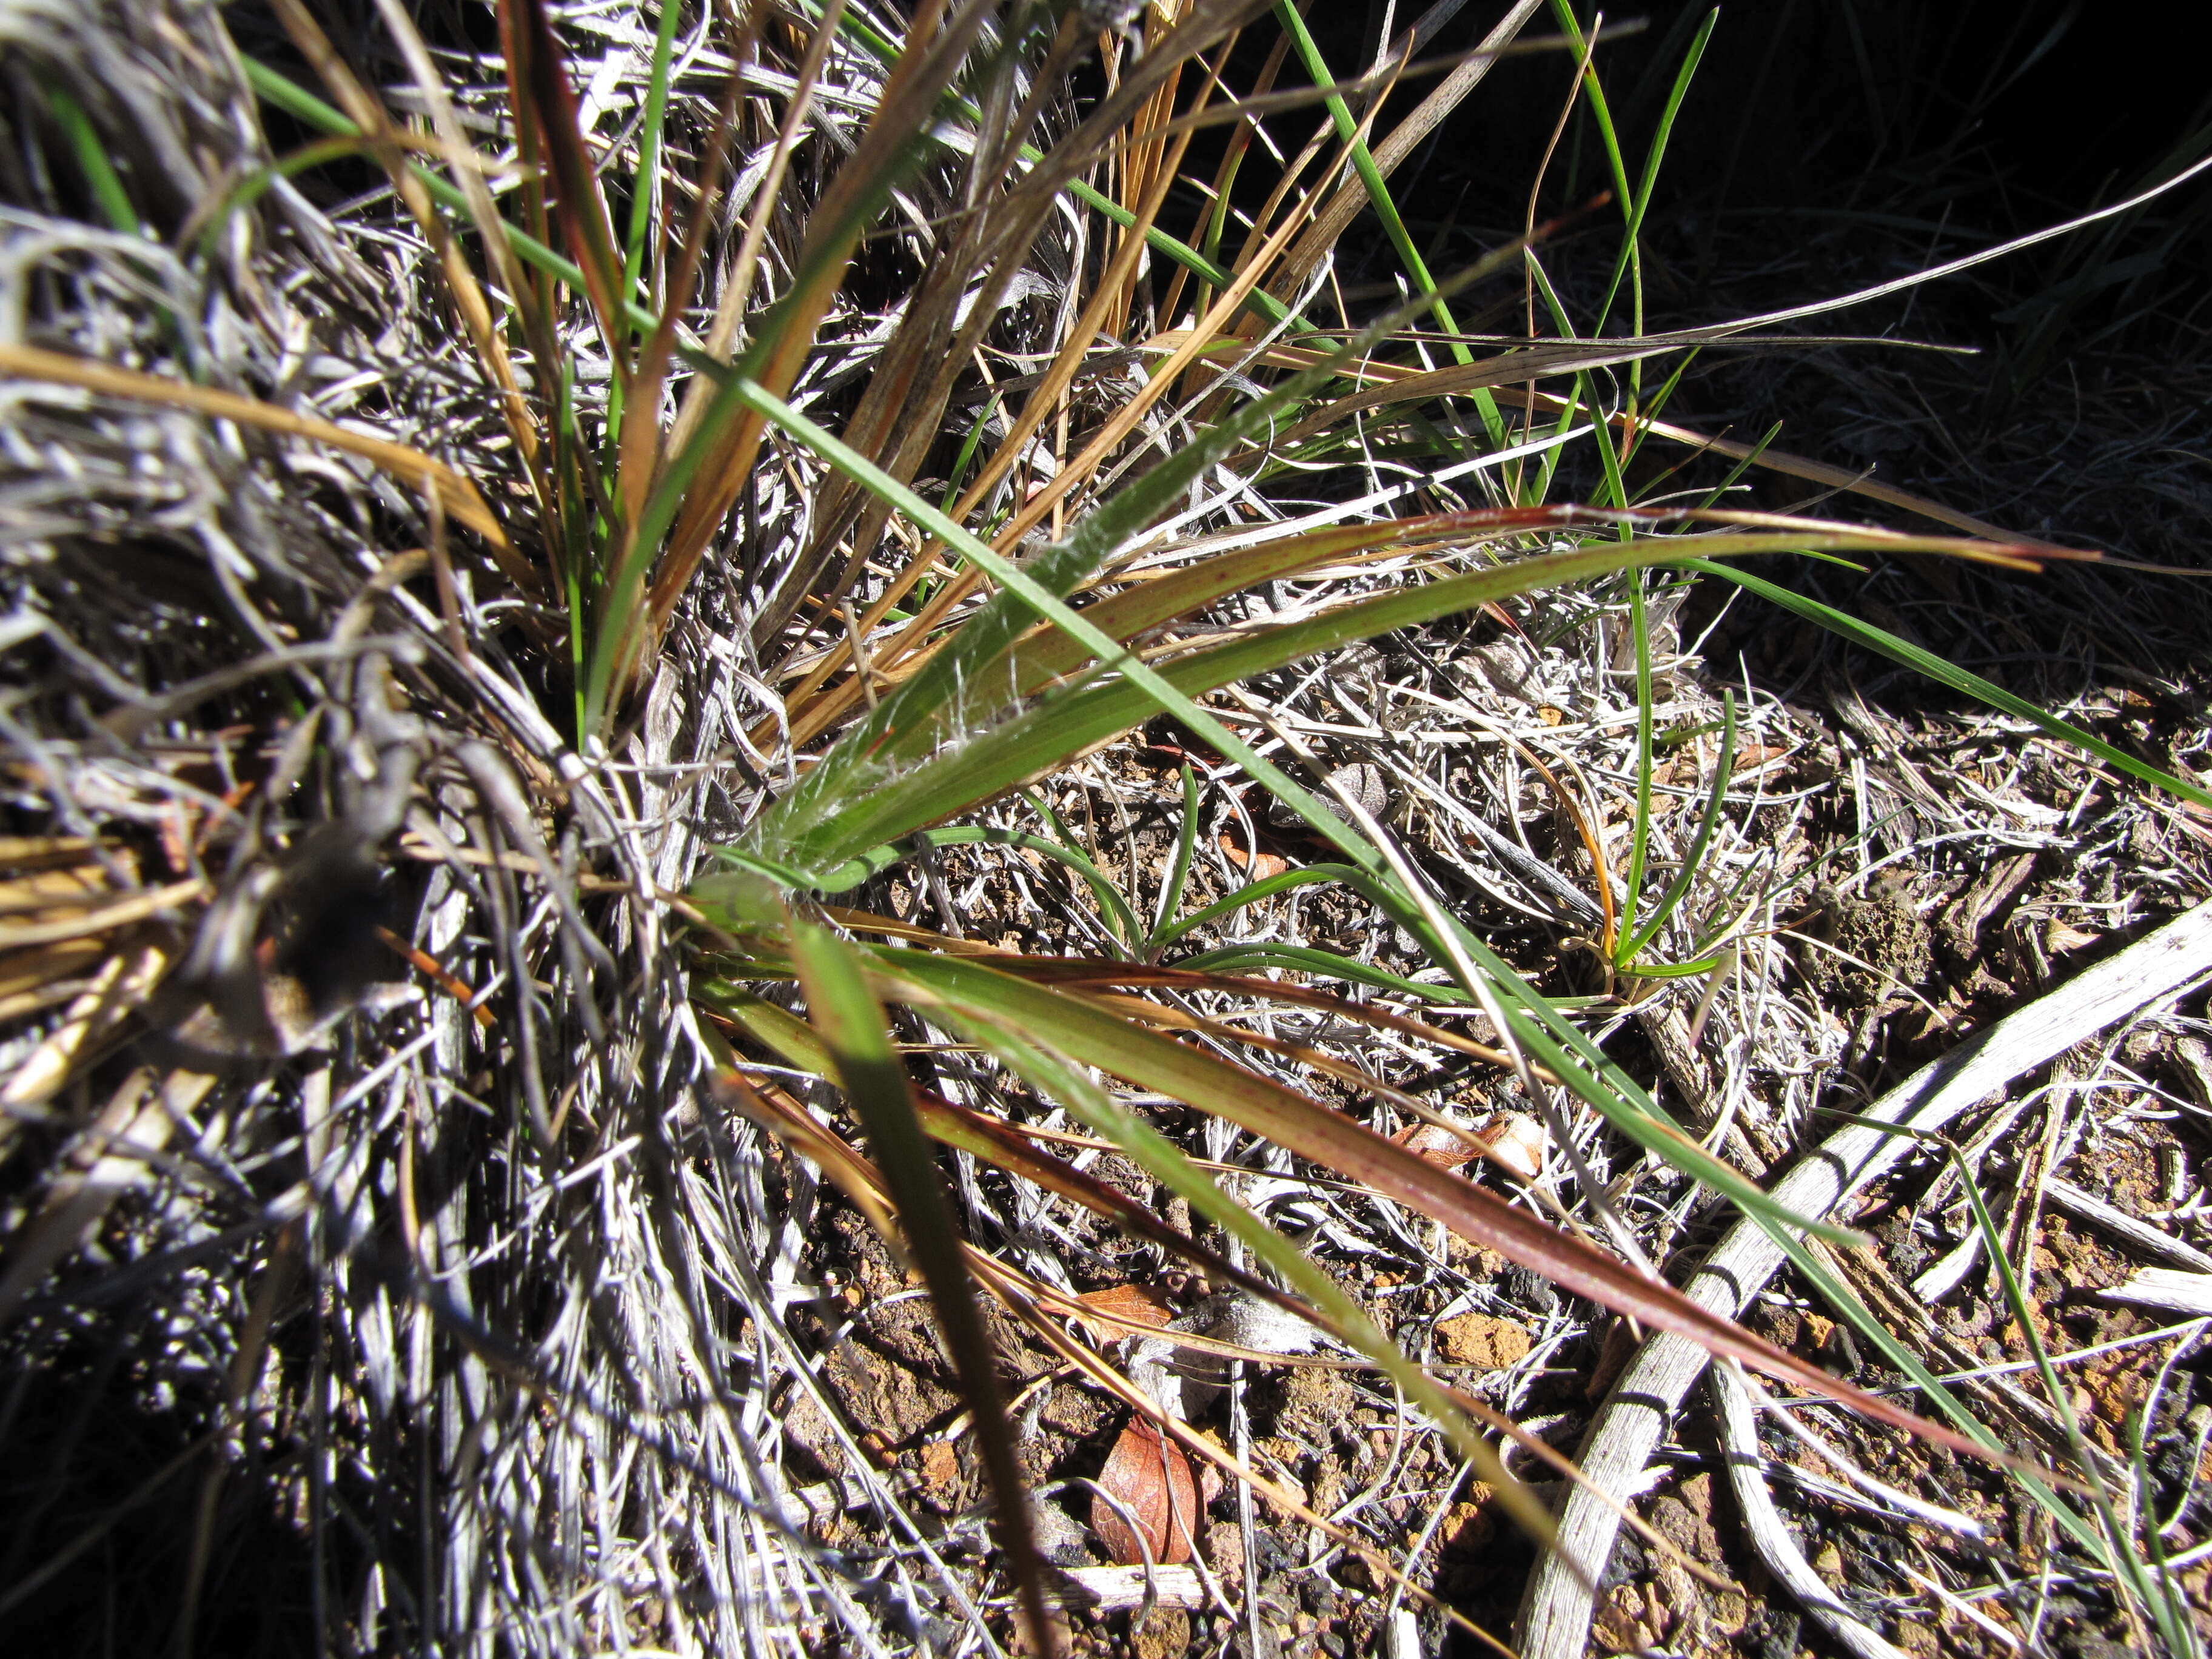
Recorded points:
(1067,724)
(1171,890)
(1310,959)
(796,1044)
(1693,858)
(1370,176)
(1038,1053)
(1924,661)
(1255,892)
(1093,1037)
(854,1030)
(645,190)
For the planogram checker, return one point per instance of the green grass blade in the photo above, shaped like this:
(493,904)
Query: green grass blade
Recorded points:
(1370,176)
(1946,673)
(1750,460)
(1090,1035)
(967,448)
(648,146)
(1683,879)
(1171,890)
(1043,601)
(1257,892)
(853,1028)
(100,177)
(1075,718)
(1646,185)
(1386,209)
(1307,959)
(1639,836)
(1032,1047)
(2119,1557)
(1854,1313)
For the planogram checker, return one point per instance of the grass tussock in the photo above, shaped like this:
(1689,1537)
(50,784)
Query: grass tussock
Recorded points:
(635,633)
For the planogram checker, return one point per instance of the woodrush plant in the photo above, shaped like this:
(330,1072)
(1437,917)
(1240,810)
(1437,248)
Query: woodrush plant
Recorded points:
(979,666)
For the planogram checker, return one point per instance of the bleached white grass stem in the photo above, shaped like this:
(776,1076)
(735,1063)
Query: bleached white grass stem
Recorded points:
(1556,1610)
(1770,1539)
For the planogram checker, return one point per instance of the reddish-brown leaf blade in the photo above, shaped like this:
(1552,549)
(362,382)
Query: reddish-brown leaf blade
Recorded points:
(1150,1478)
(1125,1305)
(1095,1035)
(579,207)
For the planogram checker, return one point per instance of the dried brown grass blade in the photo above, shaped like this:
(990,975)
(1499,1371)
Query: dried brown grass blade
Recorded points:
(926,66)
(1350,198)
(908,643)
(810,716)
(391,143)
(548,102)
(896,421)
(460,497)
(737,284)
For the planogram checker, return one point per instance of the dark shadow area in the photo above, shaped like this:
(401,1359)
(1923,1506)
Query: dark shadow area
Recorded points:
(104,1470)
(1823,150)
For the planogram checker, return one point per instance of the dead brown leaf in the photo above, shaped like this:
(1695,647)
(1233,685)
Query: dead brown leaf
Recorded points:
(1152,1479)
(1125,1305)
(1437,1144)
(1257,865)
(1517,1144)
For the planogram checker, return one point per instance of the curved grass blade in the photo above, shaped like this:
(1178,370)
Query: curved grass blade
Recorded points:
(1561,1055)
(1035,1053)
(1680,888)
(1066,724)
(1303,958)
(791,1038)
(971,990)
(1257,892)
